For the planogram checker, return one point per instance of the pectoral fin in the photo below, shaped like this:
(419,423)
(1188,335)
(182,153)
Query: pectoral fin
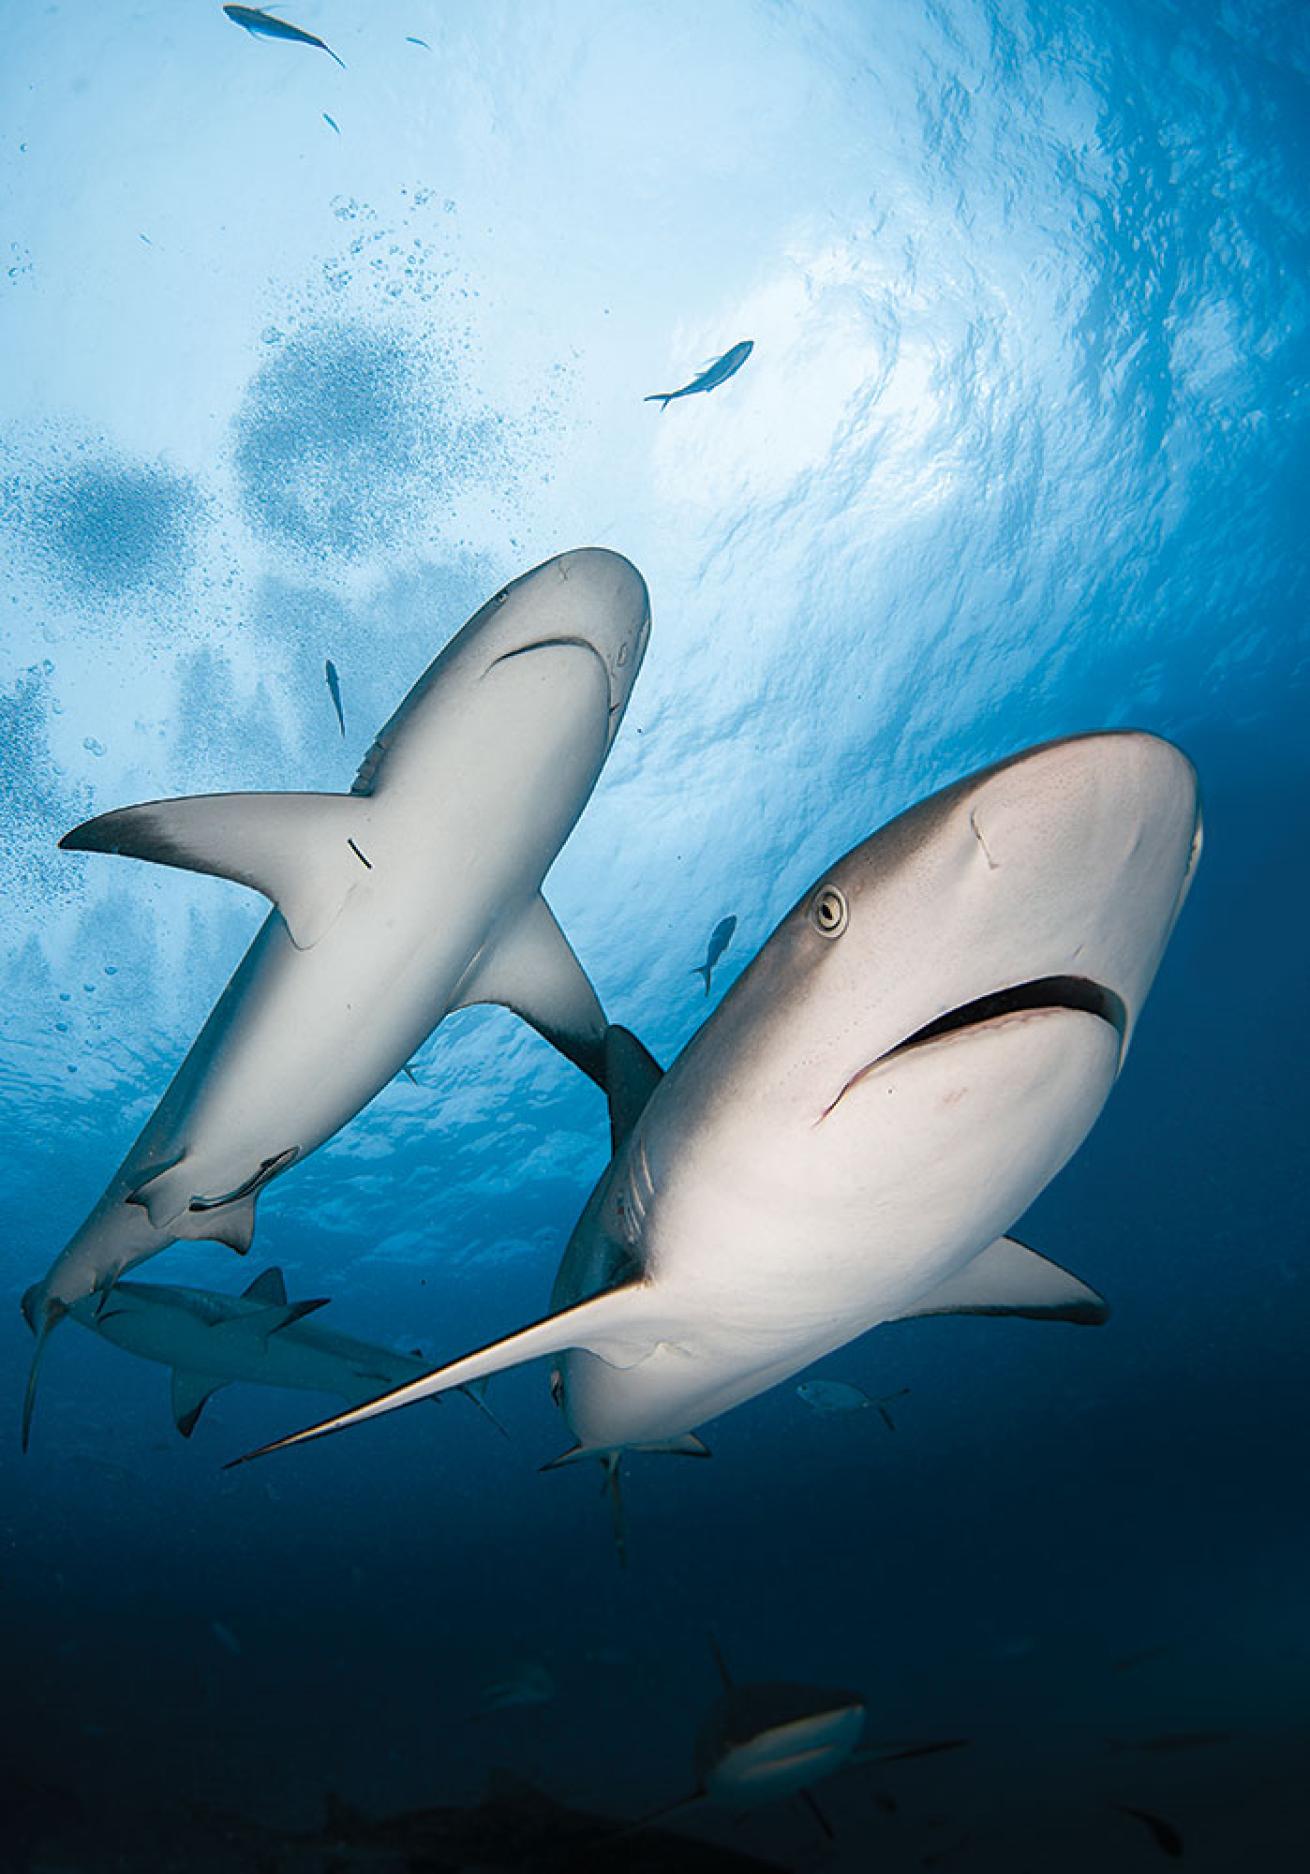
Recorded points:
(305,852)
(530,968)
(622,1326)
(1009,1278)
(190,1393)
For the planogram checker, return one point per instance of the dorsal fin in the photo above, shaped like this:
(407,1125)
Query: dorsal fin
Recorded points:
(269,1287)
(720,1661)
(631,1075)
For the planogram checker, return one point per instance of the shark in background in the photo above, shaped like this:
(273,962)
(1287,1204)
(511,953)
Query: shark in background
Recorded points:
(417,893)
(211,1340)
(761,1743)
(917,1050)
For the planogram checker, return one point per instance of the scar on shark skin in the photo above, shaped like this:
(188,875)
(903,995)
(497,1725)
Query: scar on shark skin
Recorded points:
(977,833)
(359,855)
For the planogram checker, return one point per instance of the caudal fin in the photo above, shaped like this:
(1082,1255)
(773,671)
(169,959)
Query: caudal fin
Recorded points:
(662,398)
(703,970)
(50,1316)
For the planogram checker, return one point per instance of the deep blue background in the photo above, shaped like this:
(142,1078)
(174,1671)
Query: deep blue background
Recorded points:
(1022,449)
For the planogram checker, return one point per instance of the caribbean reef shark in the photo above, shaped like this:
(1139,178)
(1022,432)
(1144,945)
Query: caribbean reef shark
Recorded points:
(417,893)
(762,1743)
(917,1050)
(212,1340)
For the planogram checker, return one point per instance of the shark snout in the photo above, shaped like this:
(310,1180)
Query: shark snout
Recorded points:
(601,600)
(1091,842)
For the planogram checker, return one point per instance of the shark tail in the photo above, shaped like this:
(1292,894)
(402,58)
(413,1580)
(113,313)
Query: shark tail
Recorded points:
(53,1312)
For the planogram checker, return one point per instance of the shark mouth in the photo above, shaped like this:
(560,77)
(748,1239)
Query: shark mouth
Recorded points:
(1079,993)
(1046,992)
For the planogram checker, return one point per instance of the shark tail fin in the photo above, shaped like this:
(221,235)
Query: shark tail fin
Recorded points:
(51,1315)
(619,1327)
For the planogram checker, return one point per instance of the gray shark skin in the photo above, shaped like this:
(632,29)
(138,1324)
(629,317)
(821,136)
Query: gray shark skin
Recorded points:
(210,1340)
(710,378)
(417,893)
(917,1050)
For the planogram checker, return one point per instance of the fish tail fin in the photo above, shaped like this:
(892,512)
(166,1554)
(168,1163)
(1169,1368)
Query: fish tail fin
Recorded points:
(53,1312)
(662,398)
(703,970)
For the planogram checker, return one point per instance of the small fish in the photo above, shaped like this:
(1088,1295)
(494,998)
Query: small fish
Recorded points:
(226,1638)
(146,238)
(720,938)
(828,1397)
(1164,1834)
(333,680)
(711,377)
(263,25)
(332,123)
(1171,1741)
(410,40)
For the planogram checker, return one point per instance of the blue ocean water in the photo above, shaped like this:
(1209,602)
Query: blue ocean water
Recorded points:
(1021,450)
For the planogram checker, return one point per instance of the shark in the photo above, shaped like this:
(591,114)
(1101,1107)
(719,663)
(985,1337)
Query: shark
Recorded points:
(211,1340)
(415,894)
(847,1141)
(762,1743)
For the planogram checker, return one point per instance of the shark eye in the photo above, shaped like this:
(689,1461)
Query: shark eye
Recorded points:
(830,913)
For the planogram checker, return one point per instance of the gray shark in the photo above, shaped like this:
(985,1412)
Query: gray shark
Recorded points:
(417,893)
(212,1340)
(765,1742)
(917,1050)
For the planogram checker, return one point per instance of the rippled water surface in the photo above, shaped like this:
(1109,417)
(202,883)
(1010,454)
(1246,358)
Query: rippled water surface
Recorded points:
(303,362)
